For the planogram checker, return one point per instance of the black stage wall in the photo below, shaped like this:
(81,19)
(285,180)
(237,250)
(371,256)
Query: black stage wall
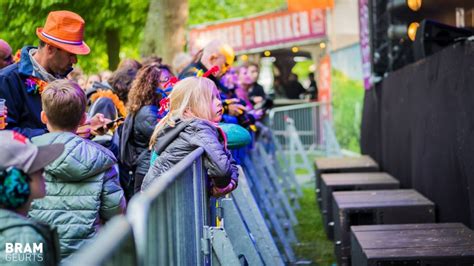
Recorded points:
(418,123)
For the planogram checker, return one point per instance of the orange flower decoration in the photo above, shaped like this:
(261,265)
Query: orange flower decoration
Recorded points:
(115,99)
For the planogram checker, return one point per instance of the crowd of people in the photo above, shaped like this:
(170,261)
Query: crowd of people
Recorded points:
(76,150)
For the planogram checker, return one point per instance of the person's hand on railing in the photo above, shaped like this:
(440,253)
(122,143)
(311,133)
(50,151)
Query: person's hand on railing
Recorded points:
(220,192)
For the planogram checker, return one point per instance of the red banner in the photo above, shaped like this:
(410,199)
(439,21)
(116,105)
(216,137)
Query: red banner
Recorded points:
(263,31)
(324,88)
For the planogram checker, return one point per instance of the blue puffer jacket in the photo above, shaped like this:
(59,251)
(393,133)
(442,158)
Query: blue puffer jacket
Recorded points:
(82,190)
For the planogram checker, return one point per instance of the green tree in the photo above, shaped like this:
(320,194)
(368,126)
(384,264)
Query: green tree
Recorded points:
(115,28)
(164,33)
(165,27)
(111,26)
(347,101)
(212,10)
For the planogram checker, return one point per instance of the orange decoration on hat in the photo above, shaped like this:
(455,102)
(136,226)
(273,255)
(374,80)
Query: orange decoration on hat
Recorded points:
(64,30)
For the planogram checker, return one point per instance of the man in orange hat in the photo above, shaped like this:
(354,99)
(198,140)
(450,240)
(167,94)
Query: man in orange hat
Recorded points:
(21,84)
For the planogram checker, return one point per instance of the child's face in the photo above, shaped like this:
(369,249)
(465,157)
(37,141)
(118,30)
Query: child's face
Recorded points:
(216,107)
(244,76)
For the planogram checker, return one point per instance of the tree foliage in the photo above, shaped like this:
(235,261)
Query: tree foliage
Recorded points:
(126,18)
(212,10)
(20,18)
(347,101)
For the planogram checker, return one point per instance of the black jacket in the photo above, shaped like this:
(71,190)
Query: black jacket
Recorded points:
(145,121)
(256,90)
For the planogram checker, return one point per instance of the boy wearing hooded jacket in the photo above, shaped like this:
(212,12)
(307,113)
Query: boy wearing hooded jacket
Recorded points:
(82,185)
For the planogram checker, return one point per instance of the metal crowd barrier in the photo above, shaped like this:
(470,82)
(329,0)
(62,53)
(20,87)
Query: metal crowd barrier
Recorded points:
(113,246)
(169,216)
(243,203)
(312,125)
(170,222)
(308,121)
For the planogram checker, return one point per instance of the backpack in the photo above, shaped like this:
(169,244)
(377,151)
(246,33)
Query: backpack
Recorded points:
(128,156)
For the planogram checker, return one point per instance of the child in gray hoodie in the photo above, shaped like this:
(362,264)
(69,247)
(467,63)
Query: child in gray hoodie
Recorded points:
(194,110)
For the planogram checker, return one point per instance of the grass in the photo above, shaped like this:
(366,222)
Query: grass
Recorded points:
(314,246)
(347,101)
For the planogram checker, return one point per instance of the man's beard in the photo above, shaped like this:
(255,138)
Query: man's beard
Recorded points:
(63,74)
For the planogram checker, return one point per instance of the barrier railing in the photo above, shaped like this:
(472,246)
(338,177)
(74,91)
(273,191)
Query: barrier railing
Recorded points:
(308,122)
(169,216)
(311,123)
(170,222)
(114,245)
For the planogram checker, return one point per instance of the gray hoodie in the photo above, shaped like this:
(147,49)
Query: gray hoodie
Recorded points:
(174,143)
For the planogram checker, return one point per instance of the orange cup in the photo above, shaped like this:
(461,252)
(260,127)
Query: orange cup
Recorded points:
(2,113)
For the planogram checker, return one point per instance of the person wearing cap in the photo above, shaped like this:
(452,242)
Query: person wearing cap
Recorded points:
(6,57)
(21,84)
(21,181)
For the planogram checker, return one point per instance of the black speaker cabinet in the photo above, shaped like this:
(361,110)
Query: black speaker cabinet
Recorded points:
(446,244)
(432,36)
(349,182)
(366,207)
(362,163)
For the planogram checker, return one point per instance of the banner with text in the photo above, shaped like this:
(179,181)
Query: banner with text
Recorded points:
(265,31)
(324,91)
(365,42)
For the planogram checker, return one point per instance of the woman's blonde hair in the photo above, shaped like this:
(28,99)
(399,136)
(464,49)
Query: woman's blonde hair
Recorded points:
(190,98)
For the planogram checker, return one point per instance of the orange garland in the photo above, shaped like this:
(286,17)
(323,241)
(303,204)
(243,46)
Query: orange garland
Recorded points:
(115,99)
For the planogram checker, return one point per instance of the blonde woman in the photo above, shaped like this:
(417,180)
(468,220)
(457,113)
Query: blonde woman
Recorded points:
(195,108)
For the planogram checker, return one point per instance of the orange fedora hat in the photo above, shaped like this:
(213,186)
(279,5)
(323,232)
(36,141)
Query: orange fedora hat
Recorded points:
(64,30)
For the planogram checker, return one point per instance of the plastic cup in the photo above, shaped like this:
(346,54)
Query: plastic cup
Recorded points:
(2,113)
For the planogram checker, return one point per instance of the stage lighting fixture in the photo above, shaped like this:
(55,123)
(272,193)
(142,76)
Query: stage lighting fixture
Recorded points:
(267,53)
(412,30)
(322,45)
(414,5)
(397,32)
(294,49)
(401,5)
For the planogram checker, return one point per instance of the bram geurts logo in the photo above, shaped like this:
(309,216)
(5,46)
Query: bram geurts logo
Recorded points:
(20,252)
